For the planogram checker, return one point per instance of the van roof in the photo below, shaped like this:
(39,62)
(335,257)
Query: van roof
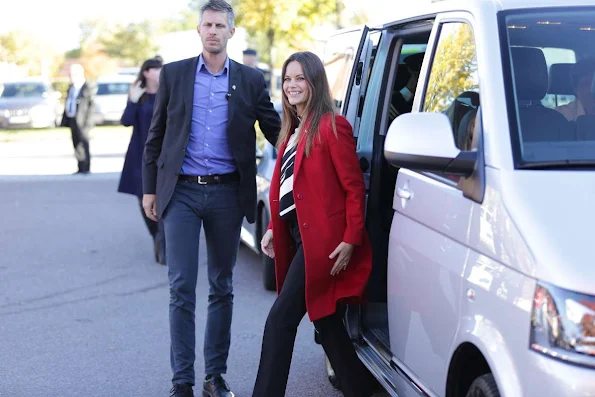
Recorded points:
(431,7)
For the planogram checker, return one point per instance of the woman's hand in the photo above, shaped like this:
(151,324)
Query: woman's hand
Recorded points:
(343,254)
(266,244)
(136,91)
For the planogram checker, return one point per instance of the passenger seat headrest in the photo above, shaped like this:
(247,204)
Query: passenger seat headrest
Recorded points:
(560,81)
(530,73)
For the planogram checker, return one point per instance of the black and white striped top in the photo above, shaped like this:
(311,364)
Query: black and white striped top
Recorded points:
(286,201)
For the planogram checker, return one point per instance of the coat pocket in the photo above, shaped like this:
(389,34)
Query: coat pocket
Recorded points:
(337,214)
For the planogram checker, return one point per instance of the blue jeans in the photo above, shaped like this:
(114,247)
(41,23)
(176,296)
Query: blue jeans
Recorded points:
(217,208)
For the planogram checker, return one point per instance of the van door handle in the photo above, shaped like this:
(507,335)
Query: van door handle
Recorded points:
(405,194)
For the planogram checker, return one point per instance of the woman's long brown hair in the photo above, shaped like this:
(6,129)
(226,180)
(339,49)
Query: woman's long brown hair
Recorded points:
(319,101)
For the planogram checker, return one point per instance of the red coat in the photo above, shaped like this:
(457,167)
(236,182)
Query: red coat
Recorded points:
(329,193)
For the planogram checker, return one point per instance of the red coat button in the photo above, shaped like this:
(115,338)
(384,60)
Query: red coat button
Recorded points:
(299,196)
(305,225)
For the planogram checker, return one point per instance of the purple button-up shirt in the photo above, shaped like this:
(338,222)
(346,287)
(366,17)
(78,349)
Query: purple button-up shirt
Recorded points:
(207,152)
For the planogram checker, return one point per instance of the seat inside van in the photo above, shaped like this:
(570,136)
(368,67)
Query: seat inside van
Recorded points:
(537,123)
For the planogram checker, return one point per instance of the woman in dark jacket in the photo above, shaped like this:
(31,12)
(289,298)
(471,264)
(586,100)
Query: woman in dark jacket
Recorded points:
(138,114)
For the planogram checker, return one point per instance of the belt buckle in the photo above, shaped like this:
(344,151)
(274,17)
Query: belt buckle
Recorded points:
(200,181)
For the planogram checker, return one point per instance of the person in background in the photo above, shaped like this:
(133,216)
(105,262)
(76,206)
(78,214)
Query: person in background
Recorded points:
(250,58)
(78,115)
(581,76)
(138,114)
(323,257)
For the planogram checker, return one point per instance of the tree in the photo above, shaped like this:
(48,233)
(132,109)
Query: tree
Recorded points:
(273,24)
(455,67)
(30,53)
(132,43)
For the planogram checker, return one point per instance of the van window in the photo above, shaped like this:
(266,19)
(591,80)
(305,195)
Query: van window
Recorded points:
(550,52)
(339,57)
(113,88)
(453,85)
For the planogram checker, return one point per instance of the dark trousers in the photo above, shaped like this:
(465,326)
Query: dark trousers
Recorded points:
(281,329)
(216,207)
(80,141)
(157,232)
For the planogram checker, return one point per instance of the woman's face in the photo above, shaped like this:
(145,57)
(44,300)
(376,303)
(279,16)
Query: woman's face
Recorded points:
(295,86)
(152,75)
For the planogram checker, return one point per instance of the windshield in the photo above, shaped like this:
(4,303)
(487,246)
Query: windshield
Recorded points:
(112,88)
(22,90)
(552,63)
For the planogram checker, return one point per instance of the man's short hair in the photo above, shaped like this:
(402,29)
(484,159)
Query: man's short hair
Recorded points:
(582,68)
(220,6)
(249,51)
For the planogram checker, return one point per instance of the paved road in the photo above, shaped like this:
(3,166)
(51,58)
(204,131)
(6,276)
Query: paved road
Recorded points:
(83,307)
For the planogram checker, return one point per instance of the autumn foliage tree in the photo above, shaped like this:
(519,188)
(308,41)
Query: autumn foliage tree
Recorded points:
(454,69)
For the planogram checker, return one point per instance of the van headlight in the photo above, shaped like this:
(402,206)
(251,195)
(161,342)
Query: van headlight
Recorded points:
(563,325)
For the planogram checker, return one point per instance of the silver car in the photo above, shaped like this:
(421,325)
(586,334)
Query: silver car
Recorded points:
(29,103)
(111,98)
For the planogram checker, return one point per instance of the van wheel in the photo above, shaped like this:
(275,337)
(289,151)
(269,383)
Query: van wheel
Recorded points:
(268,264)
(330,372)
(484,386)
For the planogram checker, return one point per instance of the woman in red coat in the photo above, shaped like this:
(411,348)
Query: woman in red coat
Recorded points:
(322,253)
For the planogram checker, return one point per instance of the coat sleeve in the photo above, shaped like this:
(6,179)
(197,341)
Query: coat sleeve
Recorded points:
(268,118)
(130,115)
(156,134)
(344,158)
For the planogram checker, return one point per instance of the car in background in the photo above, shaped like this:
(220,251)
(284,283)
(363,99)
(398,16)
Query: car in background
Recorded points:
(29,103)
(111,98)
(251,234)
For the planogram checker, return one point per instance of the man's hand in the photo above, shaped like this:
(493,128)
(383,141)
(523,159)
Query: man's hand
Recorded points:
(136,91)
(266,244)
(150,206)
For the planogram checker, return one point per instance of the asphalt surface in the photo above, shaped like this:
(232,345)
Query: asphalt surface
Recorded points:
(83,305)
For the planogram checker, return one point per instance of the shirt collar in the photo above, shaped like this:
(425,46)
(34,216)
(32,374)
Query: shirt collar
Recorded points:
(201,63)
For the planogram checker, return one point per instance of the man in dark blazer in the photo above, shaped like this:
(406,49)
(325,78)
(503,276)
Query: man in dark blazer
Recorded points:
(78,115)
(200,169)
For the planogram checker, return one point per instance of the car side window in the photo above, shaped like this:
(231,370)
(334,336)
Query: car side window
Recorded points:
(453,85)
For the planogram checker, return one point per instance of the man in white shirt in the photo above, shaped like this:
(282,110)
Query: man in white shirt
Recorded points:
(581,76)
(78,112)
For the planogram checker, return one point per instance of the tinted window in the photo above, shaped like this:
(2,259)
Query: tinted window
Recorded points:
(22,90)
(113,88)
(552,106)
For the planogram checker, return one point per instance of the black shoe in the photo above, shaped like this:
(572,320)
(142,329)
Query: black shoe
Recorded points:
(181,390)
(215,386)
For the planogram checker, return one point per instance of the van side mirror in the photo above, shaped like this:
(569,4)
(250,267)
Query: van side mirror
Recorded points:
(425,142)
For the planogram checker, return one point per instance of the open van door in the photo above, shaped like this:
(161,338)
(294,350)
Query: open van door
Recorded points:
(346,59)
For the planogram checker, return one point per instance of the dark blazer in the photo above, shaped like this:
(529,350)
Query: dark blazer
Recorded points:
(85,104)
(170,129)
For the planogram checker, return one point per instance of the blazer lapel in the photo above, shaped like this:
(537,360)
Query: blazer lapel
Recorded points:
(235,82)
(189,77)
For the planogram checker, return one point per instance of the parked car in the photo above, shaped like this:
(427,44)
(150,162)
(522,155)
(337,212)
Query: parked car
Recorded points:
(111,98)
(251,234)
(479,198)
(29,103)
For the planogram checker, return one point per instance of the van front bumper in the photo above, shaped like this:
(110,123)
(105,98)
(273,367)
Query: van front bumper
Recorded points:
(552,377)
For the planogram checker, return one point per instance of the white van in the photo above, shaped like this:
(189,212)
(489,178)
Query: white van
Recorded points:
(481,196)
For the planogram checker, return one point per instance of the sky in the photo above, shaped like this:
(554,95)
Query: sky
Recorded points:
(57,21)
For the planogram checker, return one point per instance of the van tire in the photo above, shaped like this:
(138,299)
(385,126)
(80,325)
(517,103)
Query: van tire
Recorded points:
(330,373)
(483,386)
(268,264)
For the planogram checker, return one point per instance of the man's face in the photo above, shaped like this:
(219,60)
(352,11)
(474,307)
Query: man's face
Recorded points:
(583,91)
(214,31)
